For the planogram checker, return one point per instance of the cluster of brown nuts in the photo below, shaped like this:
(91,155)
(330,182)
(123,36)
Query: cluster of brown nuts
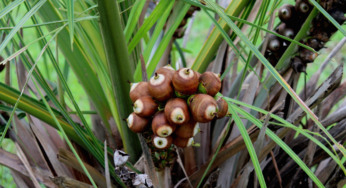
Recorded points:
(173,103)
(292,18)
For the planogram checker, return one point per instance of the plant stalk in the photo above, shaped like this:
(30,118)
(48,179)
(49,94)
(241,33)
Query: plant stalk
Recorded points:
(118,63)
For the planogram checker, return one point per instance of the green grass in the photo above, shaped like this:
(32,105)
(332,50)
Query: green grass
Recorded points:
(29,35)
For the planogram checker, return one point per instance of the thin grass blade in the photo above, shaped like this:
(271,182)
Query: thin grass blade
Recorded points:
(149,48)
(178,15)
(70,16)
(286,124)
(249,145)
(133,19)
(20,23)
(149,22)
(283,145)
(10,7)
(274,73)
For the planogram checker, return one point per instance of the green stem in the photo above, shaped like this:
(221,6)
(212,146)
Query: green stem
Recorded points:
(120,70)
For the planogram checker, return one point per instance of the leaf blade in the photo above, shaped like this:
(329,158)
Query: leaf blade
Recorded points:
(10,7)
(20,23)
(274,73)
(70,16)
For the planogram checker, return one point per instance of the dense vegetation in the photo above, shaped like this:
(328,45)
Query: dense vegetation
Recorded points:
(67,69)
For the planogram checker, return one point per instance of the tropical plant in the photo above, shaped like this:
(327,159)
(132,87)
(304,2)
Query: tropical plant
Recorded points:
(269,138)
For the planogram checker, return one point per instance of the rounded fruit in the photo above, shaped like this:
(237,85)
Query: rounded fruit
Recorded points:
(272,58)
(177,111)
(286,31)
(338,15)
(162,143)
(274,43)
(203,107)
(314,43)
(286,13)
(136,123)
(167,70)
(185,81)
(210,83)
(188,130)
(183,142)
(161,126)
(307,56)
(145,107)
(321,35)
(302,7)
(298,65)
(160,87)
(139,90)
(222,107)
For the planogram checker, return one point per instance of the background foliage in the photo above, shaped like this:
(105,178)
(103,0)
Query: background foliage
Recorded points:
(201,29)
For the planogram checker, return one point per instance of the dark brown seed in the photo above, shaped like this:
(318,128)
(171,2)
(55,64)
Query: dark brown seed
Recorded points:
(274,43)
(298,65)
(286,13)
(314,43)
(302,7)
(320,34)
(338,15)
(308,56)
(286,31)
